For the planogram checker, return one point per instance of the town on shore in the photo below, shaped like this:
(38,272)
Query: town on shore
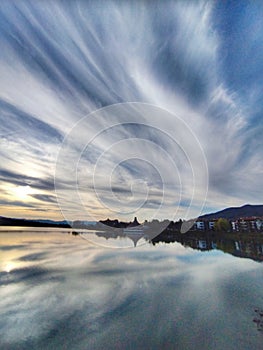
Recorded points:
(244,224)
(245,219)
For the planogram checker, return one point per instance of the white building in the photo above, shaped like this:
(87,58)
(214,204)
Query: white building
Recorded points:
(200,225)
(211,225)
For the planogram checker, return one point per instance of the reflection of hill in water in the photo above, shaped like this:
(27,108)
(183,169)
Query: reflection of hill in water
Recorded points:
(114,235)
(243,246)
(239,246)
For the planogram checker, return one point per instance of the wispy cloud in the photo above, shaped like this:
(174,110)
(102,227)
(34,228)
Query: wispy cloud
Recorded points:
(61,61)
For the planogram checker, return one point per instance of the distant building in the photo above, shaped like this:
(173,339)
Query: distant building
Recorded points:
(250,224)
(235,226)
(200,225)
(211,224)
(259,224)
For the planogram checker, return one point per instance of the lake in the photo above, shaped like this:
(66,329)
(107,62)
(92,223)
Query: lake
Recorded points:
(59,291)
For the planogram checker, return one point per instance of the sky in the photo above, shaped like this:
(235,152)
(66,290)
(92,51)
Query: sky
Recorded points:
(130,108)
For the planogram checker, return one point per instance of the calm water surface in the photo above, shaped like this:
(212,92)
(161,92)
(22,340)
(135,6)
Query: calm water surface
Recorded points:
(58,291)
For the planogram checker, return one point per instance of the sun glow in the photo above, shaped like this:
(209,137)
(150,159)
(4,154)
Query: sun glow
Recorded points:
(22,192)
(9,267)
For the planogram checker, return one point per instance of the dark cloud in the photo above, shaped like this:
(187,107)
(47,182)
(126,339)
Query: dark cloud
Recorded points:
(33,257)
(12,247)
(23,180)
(121,190)
(14,203)
(45,198)
(152,203)
(15,120)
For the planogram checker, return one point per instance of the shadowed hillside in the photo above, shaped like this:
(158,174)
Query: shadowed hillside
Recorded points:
(236,212)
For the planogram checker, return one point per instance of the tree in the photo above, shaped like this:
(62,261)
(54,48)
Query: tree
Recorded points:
(222,225)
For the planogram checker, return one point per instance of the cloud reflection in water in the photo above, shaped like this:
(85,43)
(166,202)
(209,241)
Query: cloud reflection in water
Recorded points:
(70,294)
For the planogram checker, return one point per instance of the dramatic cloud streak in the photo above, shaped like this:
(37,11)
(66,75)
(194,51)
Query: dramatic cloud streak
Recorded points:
(201,61)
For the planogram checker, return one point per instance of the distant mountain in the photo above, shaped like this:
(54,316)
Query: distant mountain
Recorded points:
(236,212)
(33,223)
(4,221)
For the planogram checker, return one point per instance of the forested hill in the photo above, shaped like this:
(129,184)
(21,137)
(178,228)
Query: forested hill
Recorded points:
(236,212)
